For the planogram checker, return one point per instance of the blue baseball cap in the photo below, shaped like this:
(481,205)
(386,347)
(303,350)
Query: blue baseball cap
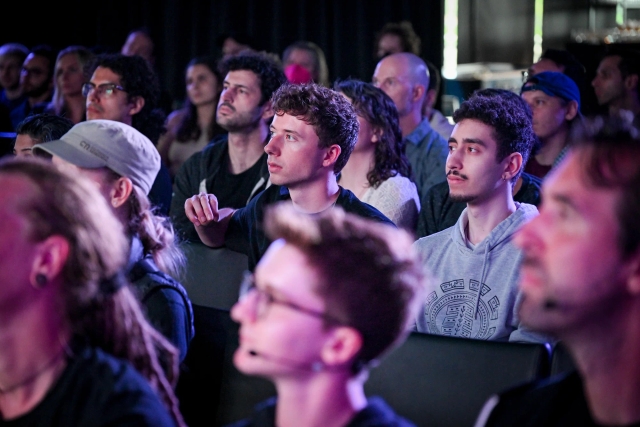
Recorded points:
(553,84)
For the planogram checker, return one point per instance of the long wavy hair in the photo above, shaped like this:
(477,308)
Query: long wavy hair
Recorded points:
(93,308)
(375,106)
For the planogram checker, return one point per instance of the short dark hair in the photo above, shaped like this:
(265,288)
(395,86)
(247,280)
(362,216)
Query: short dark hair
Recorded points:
(44,127)
(609,150)
(508,115)
(16,50)
(47,52)
(138,79)
(266,67)
(377,108)
(629,61)
(370,277)
(331,115)
(572,67)
(404,29)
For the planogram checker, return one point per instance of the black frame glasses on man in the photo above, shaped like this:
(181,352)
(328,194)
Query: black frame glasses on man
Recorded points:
(264,300)
(105,89)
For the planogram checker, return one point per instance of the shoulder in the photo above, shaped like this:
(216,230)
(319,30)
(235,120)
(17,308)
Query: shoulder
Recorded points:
(350,203)
(378,413)
(435,240)
(174,118)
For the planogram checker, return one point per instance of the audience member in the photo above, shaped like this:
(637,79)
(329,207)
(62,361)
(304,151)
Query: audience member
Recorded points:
(234,168)
(396,37)
(616,81)
(193,126)
(12,56)
(36,79)
(559,61)
(125,89)
(580,278)
(554,100)
(437,120)
(474,261)
(70,327)
(304,62)
(378,170)
(332,295)
(124,163)
(313,133)
(439,211)
(139,42)
(70,75)
(38,129)
(405,78)
(234,42)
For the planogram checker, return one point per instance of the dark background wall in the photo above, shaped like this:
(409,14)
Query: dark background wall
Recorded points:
(344,29)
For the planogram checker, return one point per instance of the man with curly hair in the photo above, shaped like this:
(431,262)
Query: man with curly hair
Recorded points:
(312,136)
(126,89)
(474,262)
(234,165)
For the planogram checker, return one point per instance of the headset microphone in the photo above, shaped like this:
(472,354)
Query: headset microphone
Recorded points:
(313,367)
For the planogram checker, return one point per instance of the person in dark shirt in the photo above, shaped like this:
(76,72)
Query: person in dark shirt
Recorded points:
(331,296)
(75,347)
(312,135)
(580,279)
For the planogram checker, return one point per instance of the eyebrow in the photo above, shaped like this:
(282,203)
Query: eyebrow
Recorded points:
(235,84)
(285,130)
(469,141)
(564,199)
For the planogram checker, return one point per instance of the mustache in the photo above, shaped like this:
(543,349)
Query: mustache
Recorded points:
(95,107)
(226,104)
(456,173)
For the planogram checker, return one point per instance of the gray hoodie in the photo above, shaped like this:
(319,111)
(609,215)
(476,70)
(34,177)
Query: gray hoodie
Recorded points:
(456,304)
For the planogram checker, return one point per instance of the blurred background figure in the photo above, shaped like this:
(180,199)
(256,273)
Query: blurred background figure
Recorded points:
(71,330)
(378,170)
(36,79)
(37,129)
(193,126)
(139,42)
(70,75)
(304,61)
(234,42)
(12,55)
(396,37)
(437,120)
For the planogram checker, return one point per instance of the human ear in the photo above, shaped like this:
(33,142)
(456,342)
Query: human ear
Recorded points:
(51,256)
(572,110)
(137,103)
(333,152)
(512,163)
(120,191)
(267,111)
(342,346)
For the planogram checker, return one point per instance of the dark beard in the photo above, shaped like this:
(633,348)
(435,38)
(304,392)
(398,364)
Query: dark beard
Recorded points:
(464,198)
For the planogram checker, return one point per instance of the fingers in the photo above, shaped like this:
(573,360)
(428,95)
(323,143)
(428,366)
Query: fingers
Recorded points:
(202,209)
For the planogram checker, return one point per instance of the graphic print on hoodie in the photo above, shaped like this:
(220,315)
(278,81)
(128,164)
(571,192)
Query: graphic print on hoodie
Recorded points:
(475,291)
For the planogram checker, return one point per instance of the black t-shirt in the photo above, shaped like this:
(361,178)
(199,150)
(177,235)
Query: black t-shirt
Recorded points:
(376,414)
(96,389)
(245,232)
(553,402)
(233,191)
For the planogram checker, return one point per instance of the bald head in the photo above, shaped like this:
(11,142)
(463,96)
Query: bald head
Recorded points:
(405,78)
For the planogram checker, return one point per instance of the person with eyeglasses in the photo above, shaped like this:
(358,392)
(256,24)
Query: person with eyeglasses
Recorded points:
(36,78)
(333,294)
(126,89)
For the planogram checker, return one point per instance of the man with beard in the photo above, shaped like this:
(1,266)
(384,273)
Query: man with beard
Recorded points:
(36,79)
(474,262)
(234,166)
(580,278)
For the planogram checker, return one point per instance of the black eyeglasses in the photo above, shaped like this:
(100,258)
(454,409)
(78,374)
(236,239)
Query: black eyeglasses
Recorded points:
(105,89)
(264,299)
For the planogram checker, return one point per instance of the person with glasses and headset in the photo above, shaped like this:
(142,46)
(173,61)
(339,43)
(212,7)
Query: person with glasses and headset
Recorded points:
(333,294)
(126,89)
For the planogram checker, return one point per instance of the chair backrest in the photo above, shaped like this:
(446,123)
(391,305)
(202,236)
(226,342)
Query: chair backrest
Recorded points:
(213,276)
(444,381)
(561,360)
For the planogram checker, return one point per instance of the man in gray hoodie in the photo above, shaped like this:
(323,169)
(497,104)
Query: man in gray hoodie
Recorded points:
(475,265)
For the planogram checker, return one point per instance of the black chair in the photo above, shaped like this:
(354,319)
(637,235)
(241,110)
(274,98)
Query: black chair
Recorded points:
(443,381)
(213,275)
(561,360)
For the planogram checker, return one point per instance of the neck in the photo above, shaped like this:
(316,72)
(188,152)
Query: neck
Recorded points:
(32,355)
(410,121)
(76,106)
(317,195)
(245,148)
(354,174)
(327,399)
(552,146)
(206,114)
(606,352)
(486,214)
(629,102)
(33,100)
(13,93)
